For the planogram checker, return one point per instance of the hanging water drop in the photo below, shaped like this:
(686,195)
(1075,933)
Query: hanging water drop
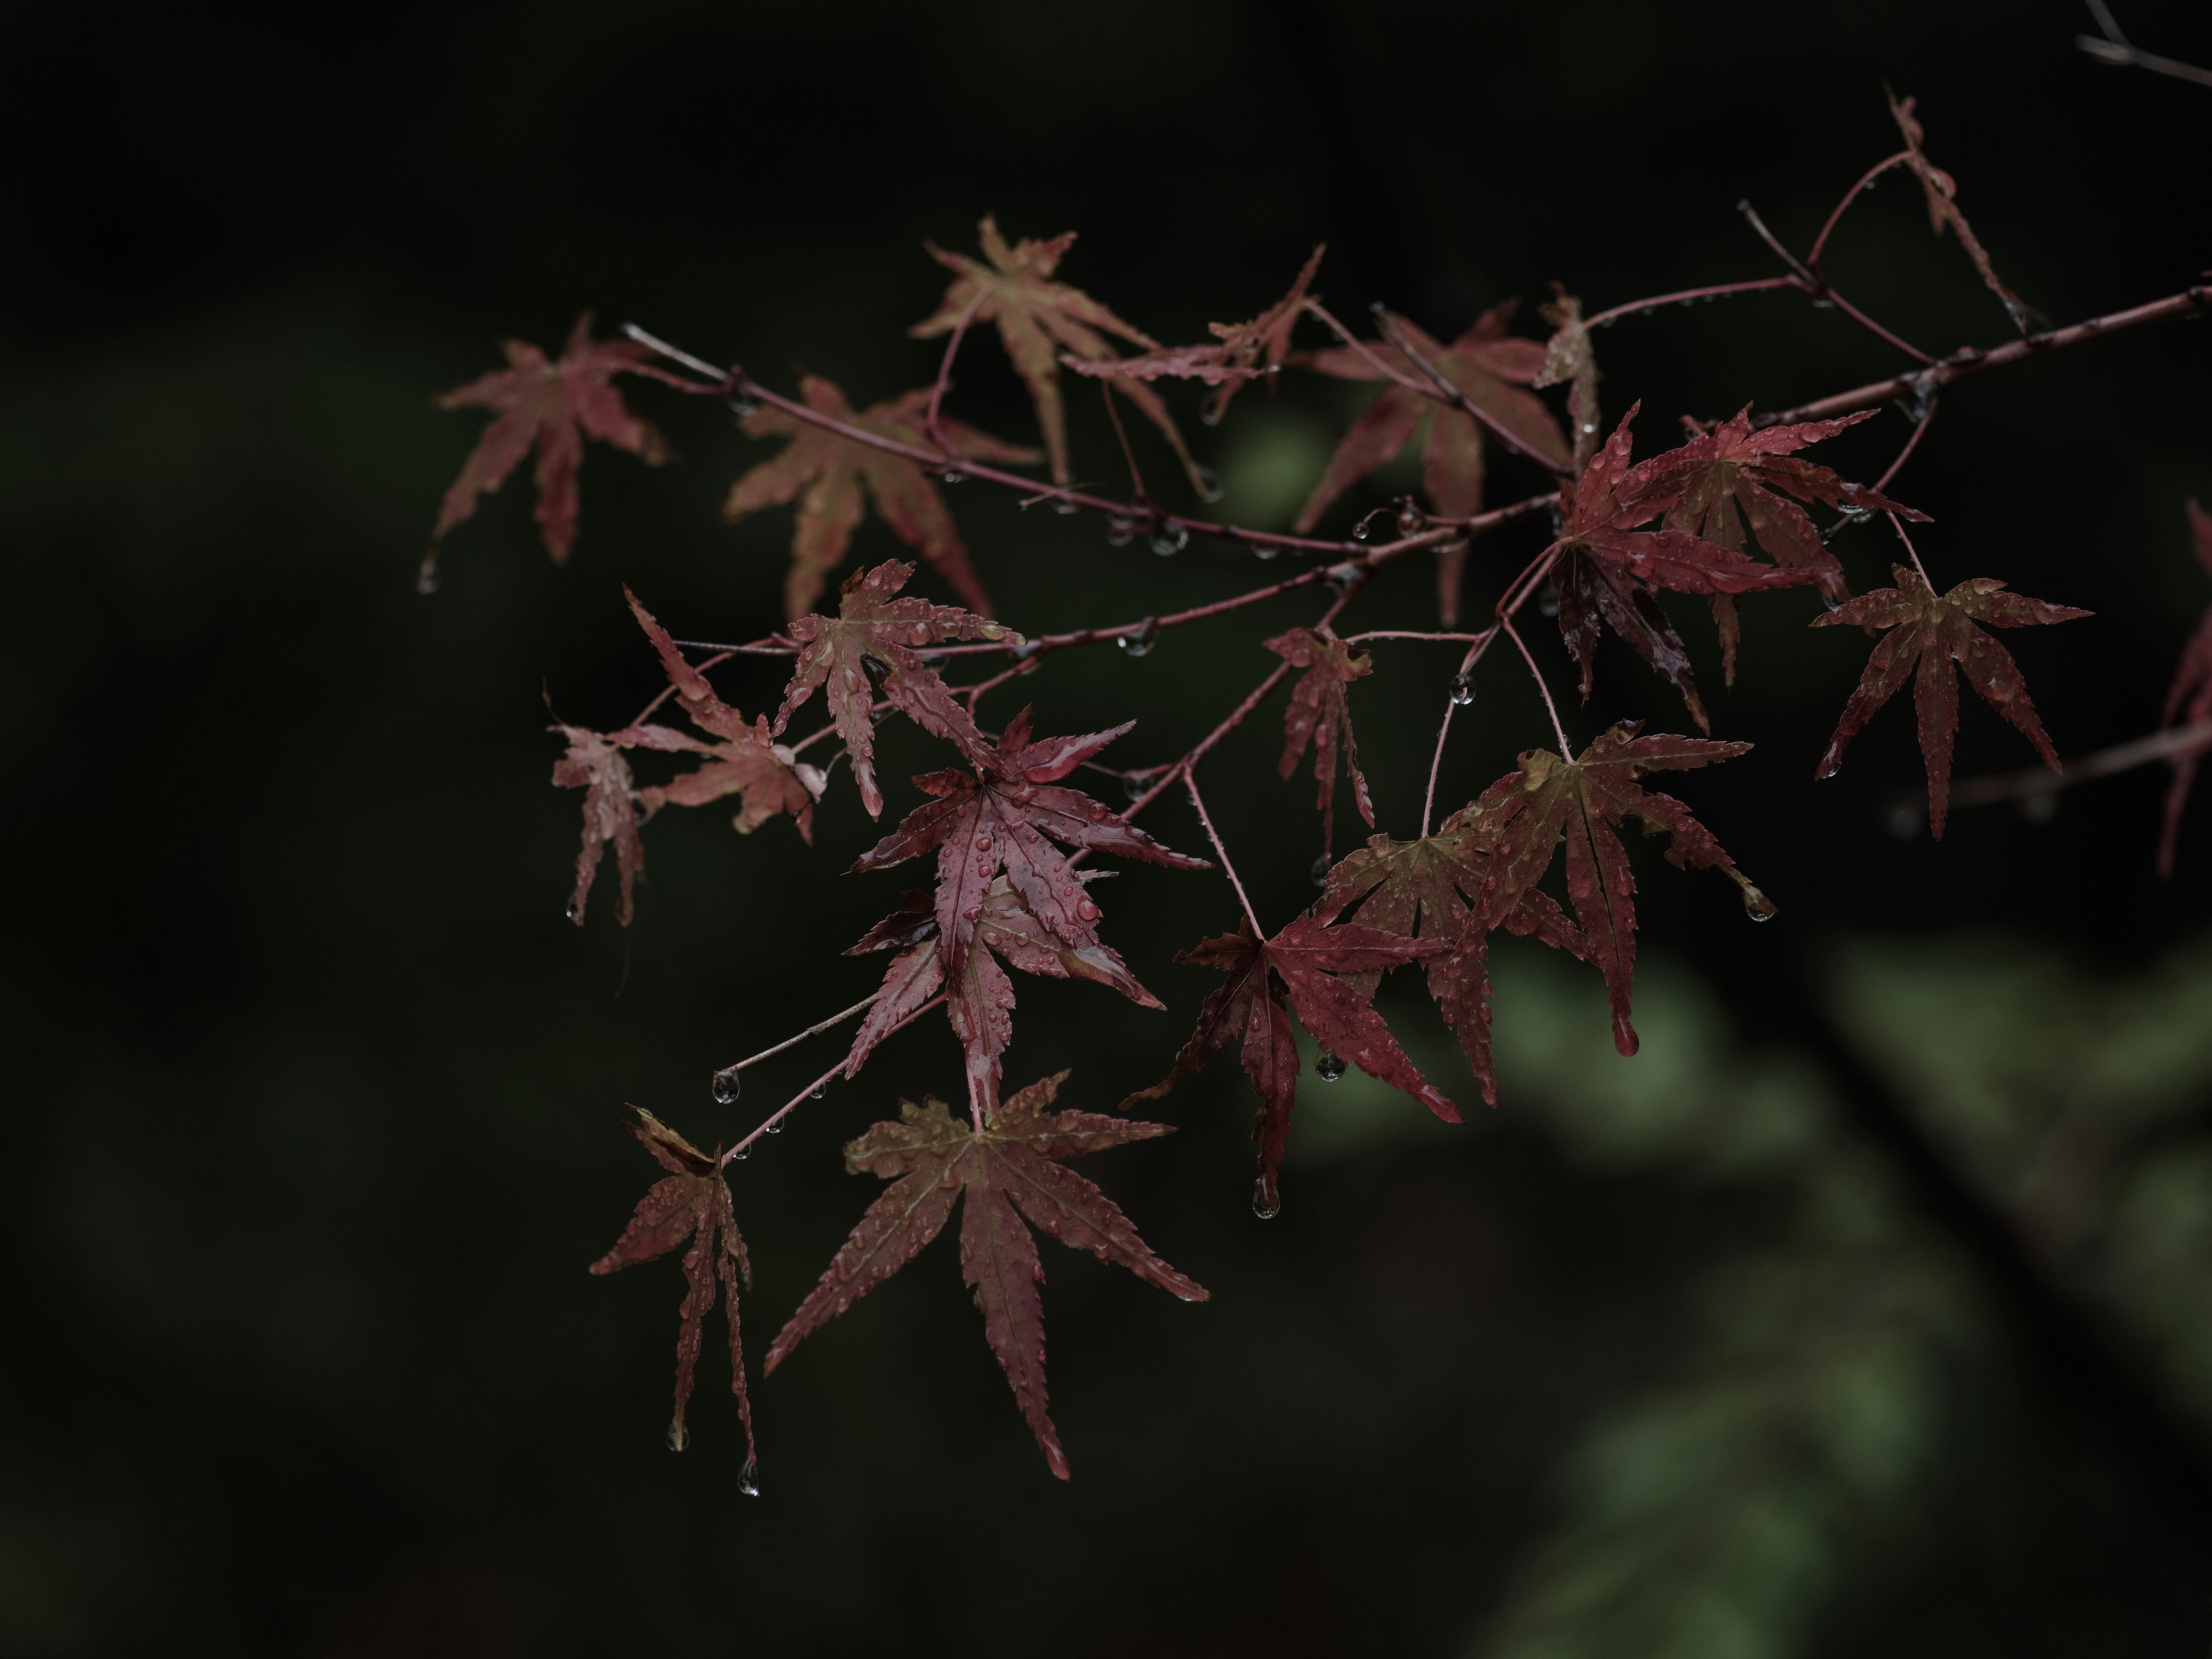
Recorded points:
(1341,577)
(1140,642)
(1758,906)
(1328,1066)
(1264,551)
(1320,871)
(1065,508)
(727,1083)
(772,1126)
(425,579)
(1134,785)
(1462,690)
(748,1478)
(1359,531)
(1266,1198)
(1209,484)
(1548,601)
(679,1436)
(574,910)
(742,404)
(1120,532)
(1409,517)
(818,1091)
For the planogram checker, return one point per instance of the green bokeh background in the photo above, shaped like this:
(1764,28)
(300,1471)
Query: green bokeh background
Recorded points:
(1865,1310)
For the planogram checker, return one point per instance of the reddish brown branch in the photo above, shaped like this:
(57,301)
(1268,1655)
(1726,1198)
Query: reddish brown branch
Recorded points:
(2041,783)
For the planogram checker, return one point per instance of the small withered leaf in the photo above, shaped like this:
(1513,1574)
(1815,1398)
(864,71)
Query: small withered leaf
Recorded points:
(1011,1170)
(1318,715)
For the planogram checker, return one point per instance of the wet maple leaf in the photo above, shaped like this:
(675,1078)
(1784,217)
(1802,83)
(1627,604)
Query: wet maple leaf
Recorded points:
(595,764)
(2189,694)
(869,649)
(1426,890)
(1012,1171)
(1943,213)
(1931,632)
(1548,802)
(1322,973)
(980,1005)
(1318,715)
(692,1203)
(551,406)
(1607,567)
(1038,318)
(1487,365)
(1733,479)
(1239,351)
(1570,360)
(1004,818)
(826,472)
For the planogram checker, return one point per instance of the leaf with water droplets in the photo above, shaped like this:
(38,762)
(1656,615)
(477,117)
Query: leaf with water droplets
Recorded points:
(1318,715)
(825,471)
(551,406)
(595,764)
(1931,632)
(1010,1166)
(693,1203)
(2189,694)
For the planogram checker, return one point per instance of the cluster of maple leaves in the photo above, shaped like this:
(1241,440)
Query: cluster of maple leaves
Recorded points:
(1723,515)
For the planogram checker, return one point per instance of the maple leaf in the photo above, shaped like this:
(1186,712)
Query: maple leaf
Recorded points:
(1038,318)
(1931,632)
(551,406)
(1548,801)
(868,650)
(692,1202)
(1011,1170)
(1942,193)
(1004,818)
(1489,367)
(825,472)
(1605,568)
(595,764)
(1239,351)
(1426,890)
(2191,690)
(1318,715)
(980,1005)
(1570,361)
(1322,972)
(1728,480)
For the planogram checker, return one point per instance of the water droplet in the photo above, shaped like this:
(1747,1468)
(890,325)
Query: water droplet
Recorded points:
(1906,820)
(1328,1066)
(953,475)
(1138,643)
(727,1082)
(1086,909)
(741,1153)
(972,912)
(1320,871)
(1266,1198)
(1341,577)
(679,1436)
(1758,906)
(982,843)
(1359,531)
(772,1126)
(574,910)
(1265,551)
(740,404)
(1589,427)
(1171,540)
(1409,518)
(1135,784)
(1547,602)
(425,579)
(748,1478)
(1120,532)
(816,1093)
(1209,484)
(1462,691)
(1065,508)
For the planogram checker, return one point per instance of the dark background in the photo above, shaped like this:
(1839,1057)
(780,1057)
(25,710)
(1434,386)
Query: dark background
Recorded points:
(315,1104)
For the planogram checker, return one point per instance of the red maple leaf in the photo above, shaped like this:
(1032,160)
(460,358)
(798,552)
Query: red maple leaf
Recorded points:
(1011,1168)
(2191,691)
(1426,890)
(1729,479)
(1004,818)
(824,471)
(1570,361)
(1548,801)
(1607,568)
(1322,972)
(595,764)
(1239,351)
(693,1203)
(981,1003)
(1318,715)
(1490,368)
(1943,212)
(1932,632)
(867,650)
(1038,318)
(551,406)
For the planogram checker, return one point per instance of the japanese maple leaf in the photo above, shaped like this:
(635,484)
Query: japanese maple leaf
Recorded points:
(743,760)
(981,1003)
(1426,890)
(1943,212)
(691,1203)
(825,472)
(868,650)
(1011,1170)
(1570,361)
(1239,352)
(1549,801)
(1932,632)
(595,764)
(1728,480)
(2191,693)
(1318,971)
(1005,816)
(1038,318)
(1317,714)
(551,406)
(1487,365)
(1606,567)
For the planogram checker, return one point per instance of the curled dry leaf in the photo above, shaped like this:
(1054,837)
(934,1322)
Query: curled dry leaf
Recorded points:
(825,471)
(1942,191)
(1012,1171)
(691,1203)
(551,406)
(1931,631)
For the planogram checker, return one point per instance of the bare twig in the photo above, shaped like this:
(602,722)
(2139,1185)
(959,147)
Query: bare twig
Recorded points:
(2113,47)
(815,1030)
(1227,869)
(2038,783)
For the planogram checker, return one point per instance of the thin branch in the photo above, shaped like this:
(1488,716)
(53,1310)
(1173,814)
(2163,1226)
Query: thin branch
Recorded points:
(1228,869)
(2041,783)
(815,1030)
(1898,524)
(1910,444)
(945,369)
(1447,393)
(773,1120)
(1121,436)
(1481,643)
(1406,634)
(2115,49)
(1683,296)
(1866,180)
(1806,279)
(1815,282)
(1550,708)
